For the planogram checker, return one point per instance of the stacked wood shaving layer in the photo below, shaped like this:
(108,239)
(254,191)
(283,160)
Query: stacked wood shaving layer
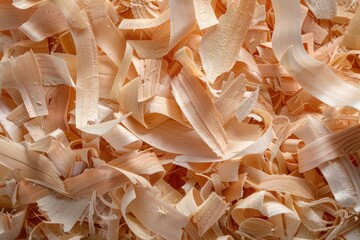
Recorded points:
(179,119)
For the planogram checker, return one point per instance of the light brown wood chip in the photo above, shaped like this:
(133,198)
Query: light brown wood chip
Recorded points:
(179,119)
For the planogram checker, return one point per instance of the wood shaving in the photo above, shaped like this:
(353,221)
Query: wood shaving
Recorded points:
(179,119)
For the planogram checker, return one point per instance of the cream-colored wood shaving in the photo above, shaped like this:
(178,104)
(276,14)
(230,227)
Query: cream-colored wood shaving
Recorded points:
(200,111)
(351,36)
(289,48)
(11,224)
(179,119)
(231,94)
(107,37)
(219,56)
(53,70)
(335,145)
(70,210)
(204,13)
(45,22)
(322,9)
(27,75)
(149,77)
(31,165)
(209,212)
(310,26)
(13,17)
(158,215)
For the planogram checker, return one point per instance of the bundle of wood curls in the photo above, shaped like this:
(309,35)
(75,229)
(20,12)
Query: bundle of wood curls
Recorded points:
(179,119)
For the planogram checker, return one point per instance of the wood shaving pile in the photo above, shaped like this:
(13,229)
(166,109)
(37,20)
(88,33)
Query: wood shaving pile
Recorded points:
(180,119)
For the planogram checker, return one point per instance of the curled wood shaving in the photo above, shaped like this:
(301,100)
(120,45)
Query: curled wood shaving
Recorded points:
(209,213)
(71,210)
(200,111)
(219,56)
(322,9)
(289,50)
(45,22)
(11,224)
(351,36)
(31,165)
(204,13)
(179,119)
(28,78)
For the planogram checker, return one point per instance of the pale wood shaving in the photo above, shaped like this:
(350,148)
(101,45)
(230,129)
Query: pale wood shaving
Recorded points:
(70,209)
(45,22)
(219,56)
(179,119)
(204,13)
(322,9)
(29,82)
(351,36)
(201,112)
